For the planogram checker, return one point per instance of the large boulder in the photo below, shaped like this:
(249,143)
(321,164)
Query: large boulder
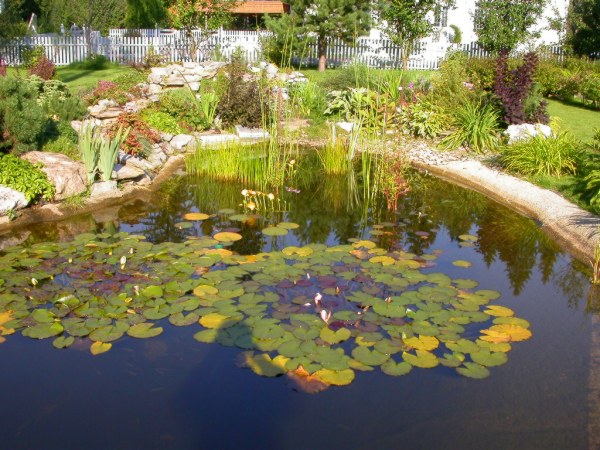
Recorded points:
(526,131)
(11,200)
(67,176)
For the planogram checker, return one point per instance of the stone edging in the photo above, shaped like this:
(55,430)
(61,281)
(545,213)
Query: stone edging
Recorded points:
(575,229)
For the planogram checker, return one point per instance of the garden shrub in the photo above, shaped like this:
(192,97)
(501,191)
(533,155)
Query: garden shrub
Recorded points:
(92,62)
(183,107)
(475,126)
(422,119)
(557,155)
(43,68)
(62,140)
(514,86)
(23,121)
(107,90)
(480,72)
(140,138)
(242,102)
(360,105)
(31,55)
(25,177)
(450,87)
(161,121)
(308,99)
(590,89)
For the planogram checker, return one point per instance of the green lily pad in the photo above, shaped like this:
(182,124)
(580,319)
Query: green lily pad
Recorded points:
(43,330)
(288,225)
(144,330)
(181,320)
(489,359)
(274,231)
(335,337)
(422,358)
(473,370)
(462,263)
(184,225)
(368,357)
(265,366)
(216,320)
(98,347)
(335,377)
(390,367)
(63,341)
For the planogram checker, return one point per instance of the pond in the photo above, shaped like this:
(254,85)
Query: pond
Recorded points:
(428,280)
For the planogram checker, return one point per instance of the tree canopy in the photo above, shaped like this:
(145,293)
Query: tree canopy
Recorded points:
(145,13)
(503,24)
(584,27)
(325,20)
(408,21)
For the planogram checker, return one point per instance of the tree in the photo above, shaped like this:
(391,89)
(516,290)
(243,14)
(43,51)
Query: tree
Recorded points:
(93,14)
(584,27)
(205,16)
(11,21)
(503,24)
(408,21)
(145,13)
(324,20)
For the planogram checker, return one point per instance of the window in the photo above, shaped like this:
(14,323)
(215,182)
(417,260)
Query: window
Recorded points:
(440,17)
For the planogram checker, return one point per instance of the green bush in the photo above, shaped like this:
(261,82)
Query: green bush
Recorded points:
(481,73)
(161,121)
(590,89)
(307,99)
(92,62)
(242,102)
(23,121)
(558,155)
(422,119)
(24,177)
(181,105)
(475,126)
(63,140)
(449,85)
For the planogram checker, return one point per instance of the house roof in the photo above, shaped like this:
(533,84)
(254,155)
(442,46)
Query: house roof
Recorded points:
(261,7)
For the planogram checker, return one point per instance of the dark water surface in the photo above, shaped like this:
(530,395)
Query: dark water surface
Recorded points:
(172,392)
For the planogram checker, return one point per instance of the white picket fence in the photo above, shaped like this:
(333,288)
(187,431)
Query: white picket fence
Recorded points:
(133,46)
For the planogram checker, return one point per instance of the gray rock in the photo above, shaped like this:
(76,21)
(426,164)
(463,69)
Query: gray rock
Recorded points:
(11,200)
(174,80)
(251,133)
(157,74)
(154,89)
(68,177)
(192,78)
(103,187)
(127,172)
(194,86)
(180,141)
(166,137)
(214,140)
(157,156)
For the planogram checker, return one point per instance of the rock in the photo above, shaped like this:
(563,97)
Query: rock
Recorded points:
(166,137)
(157,157)
(127,172)
(192,78)
(251,133)
(214,140)
(154,89)
(157,74)
(103,187)
(68,177)
(16,238)
(103,114)
(174,80)
(180,141)
(346,126)
(526,131)
(133,161)
(194,86)
(11,200)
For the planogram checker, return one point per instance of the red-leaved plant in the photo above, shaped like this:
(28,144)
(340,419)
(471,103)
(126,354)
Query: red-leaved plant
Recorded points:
(140,138)
(514,88)
(43,68)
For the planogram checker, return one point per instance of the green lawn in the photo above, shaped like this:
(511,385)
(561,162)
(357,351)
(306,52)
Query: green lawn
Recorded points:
(78,79)
(580,121)
(348,76)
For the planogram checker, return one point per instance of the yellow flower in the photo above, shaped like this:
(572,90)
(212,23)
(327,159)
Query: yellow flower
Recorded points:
(251,206)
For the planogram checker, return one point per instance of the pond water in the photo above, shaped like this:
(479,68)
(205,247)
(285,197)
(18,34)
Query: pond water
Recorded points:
(172,391)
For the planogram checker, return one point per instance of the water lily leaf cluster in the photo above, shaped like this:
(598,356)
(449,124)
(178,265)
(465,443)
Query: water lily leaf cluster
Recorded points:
(315,313)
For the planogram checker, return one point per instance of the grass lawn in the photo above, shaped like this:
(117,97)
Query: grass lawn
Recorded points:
(580,121)
(78,79)
(351,76)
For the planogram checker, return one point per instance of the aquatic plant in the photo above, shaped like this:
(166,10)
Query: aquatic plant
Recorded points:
(108,151)
(88,152)
(324,312)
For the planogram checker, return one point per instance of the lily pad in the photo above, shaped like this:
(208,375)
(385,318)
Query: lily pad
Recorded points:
(98,347)
(144,330)
(288,225)
(216,320)
(335,337)
(423,359)
(489,359)
(390,367)
(274,231)
(226,236)
(335,377)
(265,366)
(473,370)
(462,263)
(195,216)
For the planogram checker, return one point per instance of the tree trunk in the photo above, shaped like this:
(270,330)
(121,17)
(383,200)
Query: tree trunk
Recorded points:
(406,50)
(322,50)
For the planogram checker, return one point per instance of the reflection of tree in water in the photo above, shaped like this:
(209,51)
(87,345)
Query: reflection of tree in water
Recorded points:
(573,281)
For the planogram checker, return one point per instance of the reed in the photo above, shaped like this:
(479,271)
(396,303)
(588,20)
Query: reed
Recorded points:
(107,150)
(88,152)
